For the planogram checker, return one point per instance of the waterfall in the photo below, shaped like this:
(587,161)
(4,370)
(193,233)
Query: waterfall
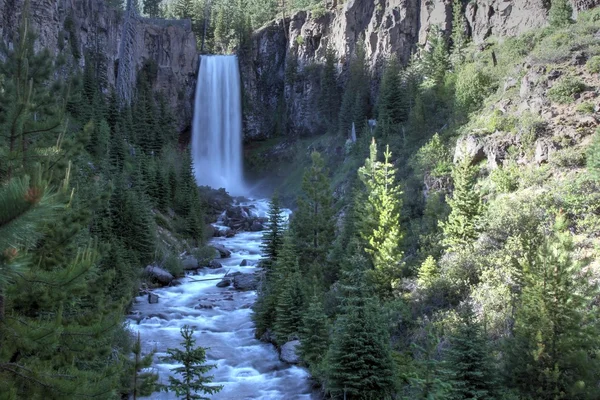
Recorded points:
(217,126)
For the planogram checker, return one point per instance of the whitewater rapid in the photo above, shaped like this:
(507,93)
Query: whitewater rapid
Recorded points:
(247,367)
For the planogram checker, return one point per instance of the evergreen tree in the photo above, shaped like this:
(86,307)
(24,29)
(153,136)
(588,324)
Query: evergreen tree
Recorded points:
(359,360)
(436,58)
(193,370)
(143,382)
(290,304)
(560,14)
(355,100)
(470,366)
(459,37)
(152,8)
(390,107)
(553,353)
(312,224)
(379,222)
(272,239)
(428,273)
(314,336)
(462,226)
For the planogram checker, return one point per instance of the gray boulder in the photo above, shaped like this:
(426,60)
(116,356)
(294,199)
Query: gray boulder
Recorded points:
(214,264)
(244,263)
(222,250)
(190,263)
(224,283)
(256,226)
(245,282)
(152,298)
(158,275)
(289,352)
(471,147)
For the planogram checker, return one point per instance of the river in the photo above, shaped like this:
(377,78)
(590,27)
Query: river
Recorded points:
(247,368)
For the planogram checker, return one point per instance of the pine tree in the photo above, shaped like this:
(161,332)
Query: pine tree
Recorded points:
(290,304)
(355,100)
(436,58)
(379,222)
(462,226)
(143,382)
(359,360)
(560,14)
(459,37)
(390,107)
(193,371)
(330,94)
(272,239)
(470,366)
(152,8)
(428,273)
(314,336)
(556,333)
(312,224)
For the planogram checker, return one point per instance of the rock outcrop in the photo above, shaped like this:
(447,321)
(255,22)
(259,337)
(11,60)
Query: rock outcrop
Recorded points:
(72,28)
(158,275)
(289,352)
(298,45)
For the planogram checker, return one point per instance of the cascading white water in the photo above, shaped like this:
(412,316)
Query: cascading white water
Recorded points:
(217,125)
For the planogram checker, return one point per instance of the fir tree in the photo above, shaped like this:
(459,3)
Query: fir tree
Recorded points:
(359,360)
(312,224)
(330,96)
(380,219)
(390,107)
(428,273)
(436,58)
(152,8)
(470,366)
(462,226)
(355,100)
(193,371)
(272,239)
(556,332)
(290,304)
(314,336)
(143,383)
(459,37)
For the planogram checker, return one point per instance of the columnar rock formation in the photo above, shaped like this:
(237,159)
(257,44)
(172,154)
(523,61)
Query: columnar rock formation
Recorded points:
(72,27)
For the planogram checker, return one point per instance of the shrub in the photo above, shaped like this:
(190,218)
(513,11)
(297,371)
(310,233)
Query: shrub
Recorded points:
(174,265)
(506,179)
(560,13)
(563,91)
(585,108)
(593,65)
(472,86)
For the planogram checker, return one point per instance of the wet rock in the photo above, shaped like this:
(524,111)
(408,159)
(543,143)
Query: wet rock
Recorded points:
(244,263)
(204,307)
(268,337)
(289,352)
(214,264)
(190,263)
(158,275)
(224,283)
(152,298)
(229,233)
(228,298)
(245,282)
(222,250)
(256,226)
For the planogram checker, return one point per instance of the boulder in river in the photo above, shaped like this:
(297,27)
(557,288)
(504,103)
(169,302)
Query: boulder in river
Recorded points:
(152,298)
(289,352)
(222,250)
(190,263)
(256,226)
(245,282)
(158,275)
(214,264)
(244,263)
(224,283)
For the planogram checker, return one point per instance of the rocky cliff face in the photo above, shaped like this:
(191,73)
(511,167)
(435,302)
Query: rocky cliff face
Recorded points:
(388,27)
(73,27)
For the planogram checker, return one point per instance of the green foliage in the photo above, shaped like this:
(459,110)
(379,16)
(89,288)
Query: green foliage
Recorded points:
(390,106)
(428,273)
(556,331)
(272,239)
(564,90)
(593,65)
(459,36)
(472,86)
(585,108)
(593,157)
(193,370)
(152,8)
(355,100)
(359,360)
(290,305)
(144,382)
(312,224)
(379,220)
(560,13)
(314,336)
(462,226)
(436,58)
(469,362)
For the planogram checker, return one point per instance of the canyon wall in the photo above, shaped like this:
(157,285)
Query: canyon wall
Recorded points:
(73,27)
(387,27)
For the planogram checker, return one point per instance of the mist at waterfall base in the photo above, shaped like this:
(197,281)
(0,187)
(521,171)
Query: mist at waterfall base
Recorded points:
(246,367)
(217,125)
